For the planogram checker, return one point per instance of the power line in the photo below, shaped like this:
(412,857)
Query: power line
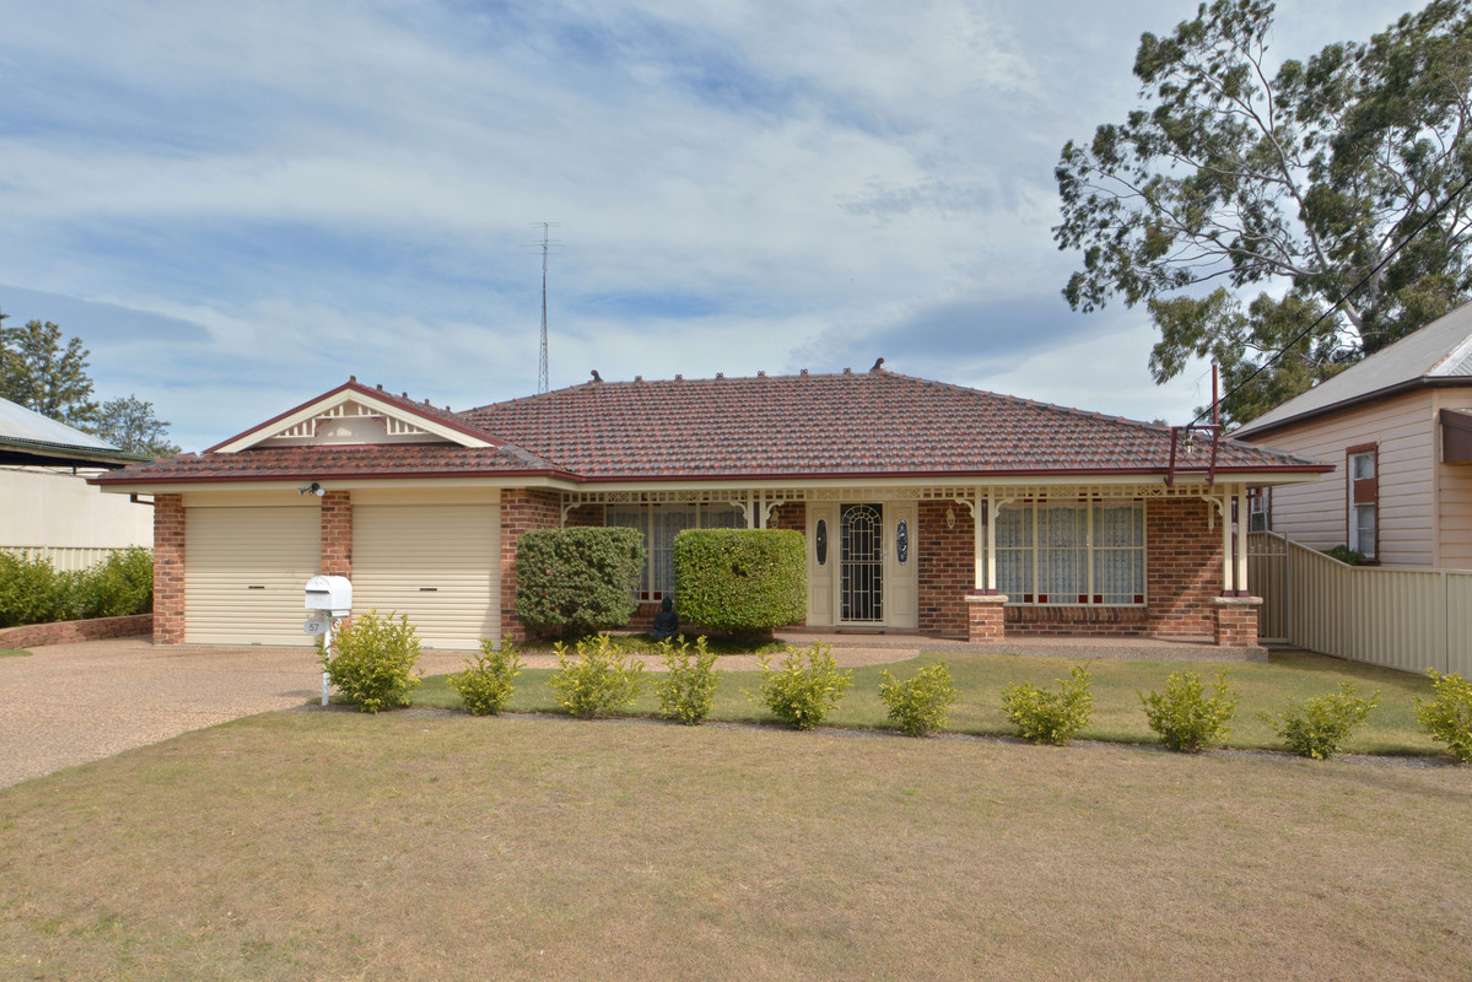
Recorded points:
(1430,217)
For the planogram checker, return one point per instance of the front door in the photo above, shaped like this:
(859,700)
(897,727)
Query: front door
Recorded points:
(861,564)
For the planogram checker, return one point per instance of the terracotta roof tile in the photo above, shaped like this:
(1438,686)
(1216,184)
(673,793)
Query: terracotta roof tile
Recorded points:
(318,463)
(878,423)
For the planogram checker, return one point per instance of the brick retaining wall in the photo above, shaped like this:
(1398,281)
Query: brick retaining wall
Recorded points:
(65,632)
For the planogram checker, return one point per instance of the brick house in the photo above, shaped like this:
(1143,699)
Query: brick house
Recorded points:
(927,507)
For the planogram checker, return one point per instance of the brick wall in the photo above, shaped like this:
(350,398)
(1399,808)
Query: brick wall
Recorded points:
(65,632)
(337,534)
(1183,567)
(792,516)
(1236,622)
(1062,621)
(522,509)
(586,515)
(168,569)
(946,568)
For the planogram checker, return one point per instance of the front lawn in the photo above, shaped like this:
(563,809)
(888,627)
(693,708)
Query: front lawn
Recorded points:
(1264,687)
(13,653)
(307,844)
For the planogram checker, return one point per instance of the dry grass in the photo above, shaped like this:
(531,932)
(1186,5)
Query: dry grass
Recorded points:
(422,844)
(1265,688)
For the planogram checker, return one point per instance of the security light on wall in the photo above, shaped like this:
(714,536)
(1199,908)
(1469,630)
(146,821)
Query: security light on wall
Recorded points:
(313,488)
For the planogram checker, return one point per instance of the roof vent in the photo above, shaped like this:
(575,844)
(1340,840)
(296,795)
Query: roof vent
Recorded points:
(760,373)
(352,378)
(803,373)
(638,378)
(720,374)
(596,376)
(848,371)
(380,386)
(679,377)
(878,365)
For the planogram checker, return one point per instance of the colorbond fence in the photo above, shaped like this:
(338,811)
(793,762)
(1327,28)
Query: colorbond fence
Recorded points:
(1406,618)
(65,557)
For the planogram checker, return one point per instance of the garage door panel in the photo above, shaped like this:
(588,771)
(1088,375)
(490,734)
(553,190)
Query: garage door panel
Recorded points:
(244,569)
(454,550)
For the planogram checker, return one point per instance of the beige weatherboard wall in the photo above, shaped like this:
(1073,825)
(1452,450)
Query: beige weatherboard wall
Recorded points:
(59,516)
(1424,506)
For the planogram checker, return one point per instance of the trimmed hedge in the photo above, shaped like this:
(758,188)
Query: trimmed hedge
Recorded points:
(32,591)
(741,581)
(572,582)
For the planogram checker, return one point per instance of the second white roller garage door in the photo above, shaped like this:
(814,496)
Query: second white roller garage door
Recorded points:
(440,564)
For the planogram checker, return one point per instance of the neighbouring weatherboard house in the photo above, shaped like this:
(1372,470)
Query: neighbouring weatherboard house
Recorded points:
(47,508)
(927,507)
(1395,432)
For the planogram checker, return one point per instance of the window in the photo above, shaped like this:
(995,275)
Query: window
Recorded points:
(659,525)
(1259,509)
(1362,473)
(1072,553)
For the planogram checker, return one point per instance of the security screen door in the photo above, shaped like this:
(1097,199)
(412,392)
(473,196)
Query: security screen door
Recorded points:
(861,564)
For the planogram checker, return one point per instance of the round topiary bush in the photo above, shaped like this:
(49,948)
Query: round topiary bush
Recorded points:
(741,581)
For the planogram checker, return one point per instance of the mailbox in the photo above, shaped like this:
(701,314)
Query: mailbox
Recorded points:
(330,594)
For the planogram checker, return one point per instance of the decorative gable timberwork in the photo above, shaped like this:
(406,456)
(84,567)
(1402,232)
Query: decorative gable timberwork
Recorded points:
(350,422)
(353,415)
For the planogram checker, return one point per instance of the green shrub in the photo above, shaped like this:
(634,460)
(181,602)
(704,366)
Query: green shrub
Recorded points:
(571,582)
(741,581)
(1346,555)
(373,666)
(920,704)
(1448,715)
(119,586)
(1050,717)
(806,688)
(485,685)
(32,591)
(689,684)
(1318,727)
(1186,719)
(599,680)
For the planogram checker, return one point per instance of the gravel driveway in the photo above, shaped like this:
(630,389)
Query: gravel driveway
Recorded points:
(67,704)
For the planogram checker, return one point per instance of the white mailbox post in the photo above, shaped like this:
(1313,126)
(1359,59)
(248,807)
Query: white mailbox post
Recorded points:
(329,598)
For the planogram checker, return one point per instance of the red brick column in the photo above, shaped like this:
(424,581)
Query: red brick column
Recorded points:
(522,510)
(984,617)
(945,559)
(1236,621)
(168,569)
(337,534)
(792,516)
(1183,567)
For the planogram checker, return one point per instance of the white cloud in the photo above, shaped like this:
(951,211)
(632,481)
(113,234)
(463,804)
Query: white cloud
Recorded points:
(740,186)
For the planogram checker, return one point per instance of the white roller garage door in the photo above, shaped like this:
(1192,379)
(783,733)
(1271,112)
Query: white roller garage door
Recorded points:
(439,564)
(244,569)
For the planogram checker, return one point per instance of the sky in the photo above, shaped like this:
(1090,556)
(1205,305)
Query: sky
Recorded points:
(236,206)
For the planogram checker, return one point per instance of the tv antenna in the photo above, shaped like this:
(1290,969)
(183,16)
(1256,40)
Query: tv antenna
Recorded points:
(546,245)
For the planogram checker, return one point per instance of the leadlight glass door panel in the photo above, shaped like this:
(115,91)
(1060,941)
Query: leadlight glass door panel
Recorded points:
(861,564)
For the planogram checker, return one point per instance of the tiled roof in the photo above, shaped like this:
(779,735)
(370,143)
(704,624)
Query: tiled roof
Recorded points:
(321,462)
(874,423)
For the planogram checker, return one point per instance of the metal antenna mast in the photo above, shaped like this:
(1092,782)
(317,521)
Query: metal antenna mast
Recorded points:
(542,382)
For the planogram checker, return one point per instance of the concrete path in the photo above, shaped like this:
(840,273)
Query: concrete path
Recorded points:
(67,704)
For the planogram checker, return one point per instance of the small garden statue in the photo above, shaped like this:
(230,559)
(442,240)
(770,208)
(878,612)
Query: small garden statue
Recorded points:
(666,622)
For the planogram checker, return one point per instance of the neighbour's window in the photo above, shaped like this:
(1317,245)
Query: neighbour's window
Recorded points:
(660,524)
(1072,553)
(1259,516)
(1363,500)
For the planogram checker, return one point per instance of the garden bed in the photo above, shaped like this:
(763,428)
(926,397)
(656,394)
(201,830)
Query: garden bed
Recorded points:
(66,632)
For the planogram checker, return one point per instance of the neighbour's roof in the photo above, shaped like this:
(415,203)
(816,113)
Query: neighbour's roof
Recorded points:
(874,424)
(1438,354)
(28,437)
